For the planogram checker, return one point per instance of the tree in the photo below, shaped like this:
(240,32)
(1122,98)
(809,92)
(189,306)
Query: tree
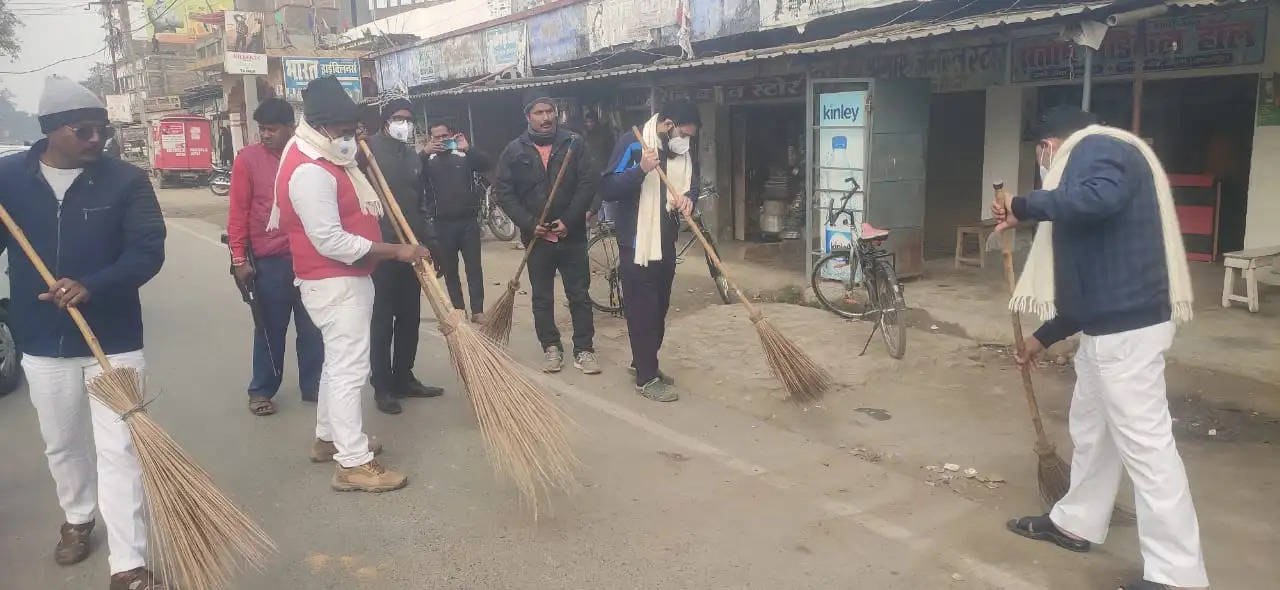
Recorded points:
(16,126)
(100,80)
(9,25)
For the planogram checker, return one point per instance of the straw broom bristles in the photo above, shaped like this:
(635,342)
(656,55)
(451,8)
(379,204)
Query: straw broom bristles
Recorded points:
(497,323)
(198,538)
(804,379)
(523,431)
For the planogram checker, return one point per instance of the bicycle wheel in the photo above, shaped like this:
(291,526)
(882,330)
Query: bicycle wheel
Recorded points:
(606,279)
(893,309)
(836,286)
(726,292)
(499,224)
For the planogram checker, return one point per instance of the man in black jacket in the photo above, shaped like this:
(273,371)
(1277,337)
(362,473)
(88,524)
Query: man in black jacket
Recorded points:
(96,224)
(397,303)
(449,166)
(647,277)
(526,170)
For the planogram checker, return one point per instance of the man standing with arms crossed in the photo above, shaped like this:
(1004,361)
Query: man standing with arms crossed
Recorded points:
(330,213)
(253,192)
(1112,266)
(526,170)
(453,204)
(648,222)
(96,224)
(397,305)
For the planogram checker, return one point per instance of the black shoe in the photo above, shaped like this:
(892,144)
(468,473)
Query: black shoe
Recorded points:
(411,387)
(1041,528)
(387,404)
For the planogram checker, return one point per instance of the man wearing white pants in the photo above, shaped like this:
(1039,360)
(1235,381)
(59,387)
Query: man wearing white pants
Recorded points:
(1111,266)
(330,212)
(97,226)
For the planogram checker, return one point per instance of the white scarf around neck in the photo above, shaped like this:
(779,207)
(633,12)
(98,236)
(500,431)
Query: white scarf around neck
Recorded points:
(651,212)
(315,145)
(1035,290)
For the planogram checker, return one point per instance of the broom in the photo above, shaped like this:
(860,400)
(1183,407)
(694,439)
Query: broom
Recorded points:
(198,537)
(497,324)
(804,380)
(1052,473)
(523,432)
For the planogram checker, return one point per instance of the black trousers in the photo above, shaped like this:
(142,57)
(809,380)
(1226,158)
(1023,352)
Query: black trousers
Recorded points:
(397,311)
(461,236)
(646,293)
(569,258)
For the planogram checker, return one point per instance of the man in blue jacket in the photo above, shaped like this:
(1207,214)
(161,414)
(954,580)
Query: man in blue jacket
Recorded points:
(1119,277)
(96,224)
(648,223)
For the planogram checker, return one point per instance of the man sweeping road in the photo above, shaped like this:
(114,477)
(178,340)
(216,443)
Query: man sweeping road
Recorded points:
(526,170)
(97,223)
(1111,265)
(253,192)
(648,226)
(330,212)
(397,305)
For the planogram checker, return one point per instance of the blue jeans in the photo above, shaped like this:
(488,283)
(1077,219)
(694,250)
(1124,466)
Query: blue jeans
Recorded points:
(279,299)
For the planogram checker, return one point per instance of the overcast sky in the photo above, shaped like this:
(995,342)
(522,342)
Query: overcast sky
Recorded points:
(46,39)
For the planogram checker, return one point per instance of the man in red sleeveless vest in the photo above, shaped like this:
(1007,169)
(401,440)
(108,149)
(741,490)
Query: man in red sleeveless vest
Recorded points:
(330,213)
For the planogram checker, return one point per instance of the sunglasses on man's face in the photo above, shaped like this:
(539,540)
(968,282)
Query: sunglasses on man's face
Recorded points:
(86,132)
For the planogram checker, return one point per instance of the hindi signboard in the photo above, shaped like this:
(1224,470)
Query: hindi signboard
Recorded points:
(505,47)
(300,71)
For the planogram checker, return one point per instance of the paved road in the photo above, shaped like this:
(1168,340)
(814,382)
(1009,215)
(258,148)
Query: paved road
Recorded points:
(686,495)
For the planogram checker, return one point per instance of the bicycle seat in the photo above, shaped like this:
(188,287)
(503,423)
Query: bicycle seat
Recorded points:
(871,232)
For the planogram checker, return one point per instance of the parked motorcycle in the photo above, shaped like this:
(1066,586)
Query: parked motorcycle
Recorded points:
(10,356)
(220,180)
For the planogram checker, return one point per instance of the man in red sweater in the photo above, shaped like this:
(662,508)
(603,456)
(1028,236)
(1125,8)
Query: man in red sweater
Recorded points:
(253,191)
(330,212)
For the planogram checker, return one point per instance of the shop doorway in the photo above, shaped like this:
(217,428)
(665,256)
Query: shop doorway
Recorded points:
(953,185)
(1198,127)
(768,158)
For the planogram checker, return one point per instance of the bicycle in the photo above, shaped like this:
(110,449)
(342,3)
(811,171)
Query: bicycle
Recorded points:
(490,215)
(866,289)
(606,275)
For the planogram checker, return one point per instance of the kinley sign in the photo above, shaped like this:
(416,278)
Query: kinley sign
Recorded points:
(1210,40)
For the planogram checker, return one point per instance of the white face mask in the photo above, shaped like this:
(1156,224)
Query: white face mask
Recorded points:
(1044,165)
(346,146)
(401,130)
(678,145)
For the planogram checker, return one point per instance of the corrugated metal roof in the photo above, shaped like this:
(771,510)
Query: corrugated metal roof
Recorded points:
(879,35)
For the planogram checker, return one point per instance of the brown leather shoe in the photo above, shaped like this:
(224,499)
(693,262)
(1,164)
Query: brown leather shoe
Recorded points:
(73,545)
(136,579)
(370,477)
(322,451)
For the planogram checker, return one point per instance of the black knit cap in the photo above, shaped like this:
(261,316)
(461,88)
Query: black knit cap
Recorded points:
(540,100)
(394,105)
(1060,122)
(325,102)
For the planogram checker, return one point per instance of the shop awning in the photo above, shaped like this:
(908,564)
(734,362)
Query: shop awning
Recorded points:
(892,33)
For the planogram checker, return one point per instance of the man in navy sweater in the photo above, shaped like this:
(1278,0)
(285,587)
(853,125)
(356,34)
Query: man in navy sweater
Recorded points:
(1111,282)
(96,224)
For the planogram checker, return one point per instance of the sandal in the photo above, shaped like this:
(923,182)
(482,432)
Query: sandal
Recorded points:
(1041,528)
(261,406)
(1144,585)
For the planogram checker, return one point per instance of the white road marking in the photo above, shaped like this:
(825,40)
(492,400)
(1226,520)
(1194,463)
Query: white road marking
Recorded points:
(978,568)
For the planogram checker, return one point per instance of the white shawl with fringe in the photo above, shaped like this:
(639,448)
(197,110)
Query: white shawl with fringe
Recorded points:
(651,213)
(1035,290)
(316,146)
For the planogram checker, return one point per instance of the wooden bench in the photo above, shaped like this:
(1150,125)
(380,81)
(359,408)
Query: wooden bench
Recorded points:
(1248,261)
(981,231)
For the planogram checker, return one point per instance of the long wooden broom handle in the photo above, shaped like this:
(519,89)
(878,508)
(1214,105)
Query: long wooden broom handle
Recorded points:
(528,248)
(1006,251)
(405,232)
(76,316)
(697,232)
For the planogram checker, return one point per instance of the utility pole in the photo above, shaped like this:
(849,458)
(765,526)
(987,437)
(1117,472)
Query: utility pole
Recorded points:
(111,45)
